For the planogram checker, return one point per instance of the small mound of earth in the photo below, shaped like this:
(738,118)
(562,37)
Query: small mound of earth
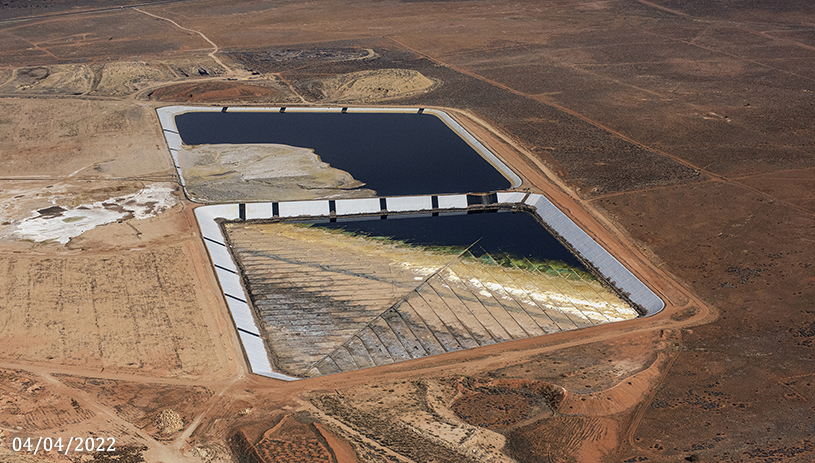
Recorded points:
(366,86)
(206,92)
(262,172)
(169,422)
(502,404)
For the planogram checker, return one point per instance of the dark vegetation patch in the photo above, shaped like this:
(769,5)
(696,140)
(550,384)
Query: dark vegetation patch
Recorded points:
(391,434)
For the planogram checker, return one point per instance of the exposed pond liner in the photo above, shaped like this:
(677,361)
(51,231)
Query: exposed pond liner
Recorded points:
(212,219)
(471,277)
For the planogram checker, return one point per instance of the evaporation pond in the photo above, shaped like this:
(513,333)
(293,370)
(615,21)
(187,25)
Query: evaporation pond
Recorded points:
(392,154)
(339,296)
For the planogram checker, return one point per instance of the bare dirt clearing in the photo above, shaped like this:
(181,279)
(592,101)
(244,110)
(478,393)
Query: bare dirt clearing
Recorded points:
(108,311)
(267,91)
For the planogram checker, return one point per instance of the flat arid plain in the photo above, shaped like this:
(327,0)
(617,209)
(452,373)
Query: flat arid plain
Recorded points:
(679,134)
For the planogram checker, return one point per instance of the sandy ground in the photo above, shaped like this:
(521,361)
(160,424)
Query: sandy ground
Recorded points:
(678,134)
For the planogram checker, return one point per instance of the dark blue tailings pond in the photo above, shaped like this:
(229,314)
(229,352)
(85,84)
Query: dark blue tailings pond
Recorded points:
(499,233)
(394,154)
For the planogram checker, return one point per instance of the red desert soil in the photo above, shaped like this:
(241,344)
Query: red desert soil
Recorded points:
(214,92)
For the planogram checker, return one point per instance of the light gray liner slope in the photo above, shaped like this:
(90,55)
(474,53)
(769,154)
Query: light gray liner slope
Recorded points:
(609,266)
(232,288)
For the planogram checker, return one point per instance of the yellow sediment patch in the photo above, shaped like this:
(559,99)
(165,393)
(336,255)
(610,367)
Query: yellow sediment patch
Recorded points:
(373,85)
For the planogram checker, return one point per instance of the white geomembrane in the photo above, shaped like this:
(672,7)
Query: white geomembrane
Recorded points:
(357,206)
(453,202)
(298,208)
(242,314)
(258,211)
(410,203)
(597,255)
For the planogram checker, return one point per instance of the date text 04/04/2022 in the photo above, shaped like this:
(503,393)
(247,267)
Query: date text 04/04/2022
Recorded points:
(73,444)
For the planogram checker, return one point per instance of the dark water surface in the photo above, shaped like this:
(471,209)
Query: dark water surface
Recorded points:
(498,233)
(394,154)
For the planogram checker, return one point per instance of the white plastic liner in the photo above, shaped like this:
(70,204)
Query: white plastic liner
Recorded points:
(173,140)
(258,210)
(384,110)
(230,283)
(410,203)
(357,206)
(453,202)
(220,256)
(258,360)
(224,211)
(511,197)
(609,266)
(309,109)
(242,314)
(206,220)
(298,208)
